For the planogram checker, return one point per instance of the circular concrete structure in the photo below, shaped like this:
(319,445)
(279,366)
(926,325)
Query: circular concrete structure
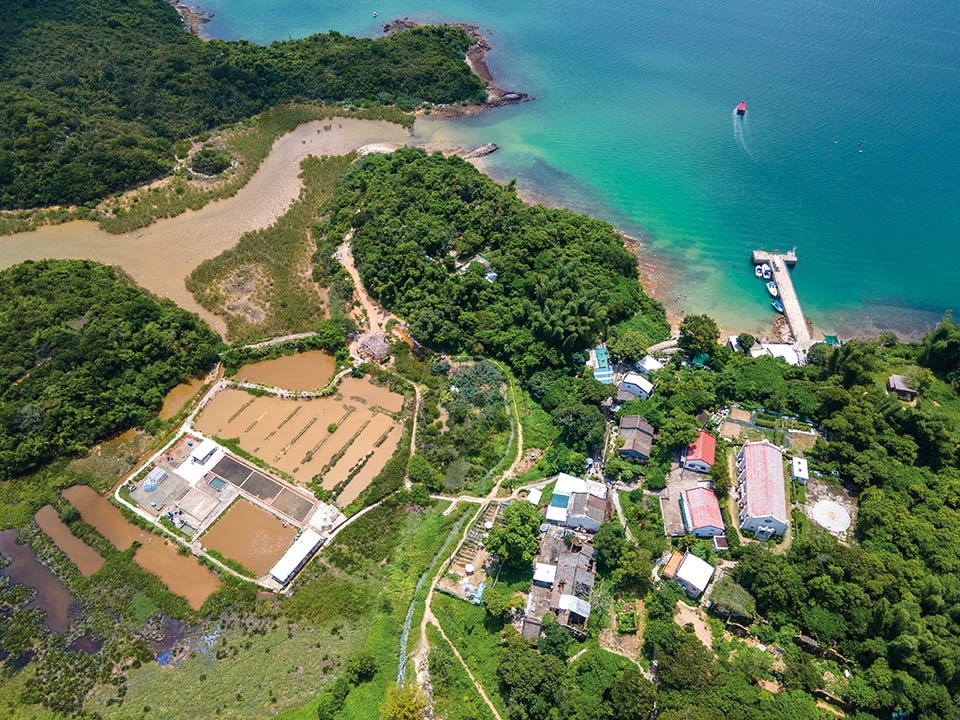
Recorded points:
(831,516)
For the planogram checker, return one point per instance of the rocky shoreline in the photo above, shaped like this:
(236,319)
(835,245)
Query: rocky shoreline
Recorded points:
(193,19)
(496,95)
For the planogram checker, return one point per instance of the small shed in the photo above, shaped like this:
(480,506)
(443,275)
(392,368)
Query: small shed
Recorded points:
(901,386)
(375,347)
(670,569)
(799,471)
(534,496)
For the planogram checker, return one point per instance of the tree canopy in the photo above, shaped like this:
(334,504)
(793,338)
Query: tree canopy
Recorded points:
(515,539)
(84,353)
(428,230)
(96,92)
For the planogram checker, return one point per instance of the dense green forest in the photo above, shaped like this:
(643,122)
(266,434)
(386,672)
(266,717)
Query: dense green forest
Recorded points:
(85,353)
(94,93)
(419,221)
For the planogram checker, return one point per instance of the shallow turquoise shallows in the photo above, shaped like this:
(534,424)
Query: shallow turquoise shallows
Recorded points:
(849,150)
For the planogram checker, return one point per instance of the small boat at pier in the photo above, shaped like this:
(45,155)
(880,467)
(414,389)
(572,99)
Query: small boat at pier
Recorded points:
(778,306)
(759,271)
(765,270)
(742,108)
(772,288)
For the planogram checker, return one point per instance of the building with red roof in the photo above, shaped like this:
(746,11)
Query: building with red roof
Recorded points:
(763,495)
(700,454)
(701,512)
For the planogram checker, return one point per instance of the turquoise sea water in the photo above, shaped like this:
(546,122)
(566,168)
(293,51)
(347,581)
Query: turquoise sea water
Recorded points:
(634,122)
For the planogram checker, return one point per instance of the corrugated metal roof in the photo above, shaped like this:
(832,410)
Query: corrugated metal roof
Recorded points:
(301,549)
(766,494)
(702,509)
(704,448)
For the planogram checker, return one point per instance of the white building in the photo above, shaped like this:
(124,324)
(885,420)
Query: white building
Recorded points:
(779,350)
(544,574)
(200,461)
(799,471)
(534,496)
(576,606)
(760,483)
(693,575)
(296,556)
(648,365)
(637,384)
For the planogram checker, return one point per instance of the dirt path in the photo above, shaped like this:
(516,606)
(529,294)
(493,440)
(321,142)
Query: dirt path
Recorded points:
(685,614)
(615,496)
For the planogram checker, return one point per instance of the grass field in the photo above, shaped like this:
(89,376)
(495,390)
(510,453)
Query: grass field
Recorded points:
(268,272)
(258,675)
(454,695)
(408,542)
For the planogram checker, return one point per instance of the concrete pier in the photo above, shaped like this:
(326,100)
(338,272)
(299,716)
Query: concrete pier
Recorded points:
(788,296)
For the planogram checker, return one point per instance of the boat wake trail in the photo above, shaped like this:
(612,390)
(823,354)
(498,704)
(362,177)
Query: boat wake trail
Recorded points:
(738,133)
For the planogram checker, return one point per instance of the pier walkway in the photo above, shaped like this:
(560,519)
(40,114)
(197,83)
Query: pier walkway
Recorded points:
(788,296)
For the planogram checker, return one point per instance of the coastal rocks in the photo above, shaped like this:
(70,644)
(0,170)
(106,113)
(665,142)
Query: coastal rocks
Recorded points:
(482,151)
(496,96)
(192,19)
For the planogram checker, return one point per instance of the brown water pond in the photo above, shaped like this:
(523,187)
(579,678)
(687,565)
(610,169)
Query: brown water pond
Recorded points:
(97,510)
(250,535)
(310,370)
(160,256)
(52,597)
(87,560)
(182,574)
(178,397)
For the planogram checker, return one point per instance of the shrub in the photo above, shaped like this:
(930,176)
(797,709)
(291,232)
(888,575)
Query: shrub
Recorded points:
(210,161)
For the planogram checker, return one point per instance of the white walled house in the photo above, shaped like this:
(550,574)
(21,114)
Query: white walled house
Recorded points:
(763,495)
(637,384)
(699,455)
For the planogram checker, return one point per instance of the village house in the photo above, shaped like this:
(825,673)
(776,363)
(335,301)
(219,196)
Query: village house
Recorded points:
(637,435)
(648,365)
(570,509)
(637,385)
(899,385)
(701,512)
(690,572)
(760,484)
(699,455)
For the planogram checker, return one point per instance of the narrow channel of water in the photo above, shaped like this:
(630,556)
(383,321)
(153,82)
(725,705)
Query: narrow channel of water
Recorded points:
(161,256)
(405,632)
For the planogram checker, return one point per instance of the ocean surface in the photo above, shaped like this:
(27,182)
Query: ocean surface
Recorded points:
(849,151)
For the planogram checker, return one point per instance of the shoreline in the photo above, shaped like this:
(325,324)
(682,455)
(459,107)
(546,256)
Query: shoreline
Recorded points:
(193,18)
(475,59)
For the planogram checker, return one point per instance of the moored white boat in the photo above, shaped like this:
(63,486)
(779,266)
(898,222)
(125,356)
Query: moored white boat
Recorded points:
(772,288)
(765,269)
(759,271)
